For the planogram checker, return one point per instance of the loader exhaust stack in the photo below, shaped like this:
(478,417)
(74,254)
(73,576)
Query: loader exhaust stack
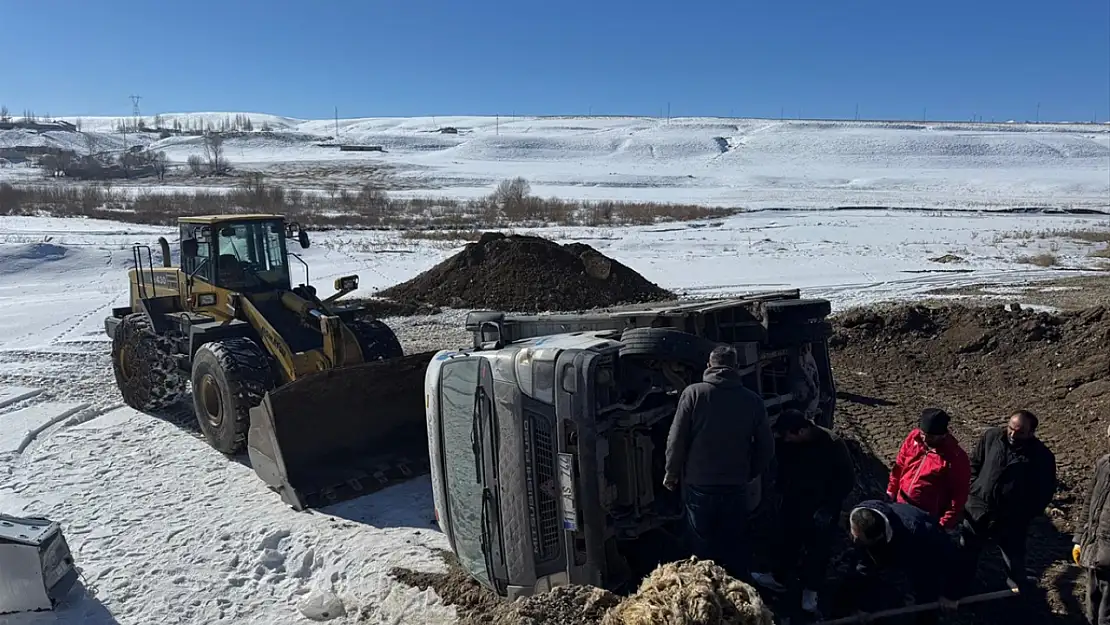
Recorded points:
(342,433)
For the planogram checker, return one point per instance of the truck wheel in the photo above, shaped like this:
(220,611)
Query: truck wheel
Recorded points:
(376,340)
(786,335)
(796,310)
(143,361)
(229,378)
(666,344)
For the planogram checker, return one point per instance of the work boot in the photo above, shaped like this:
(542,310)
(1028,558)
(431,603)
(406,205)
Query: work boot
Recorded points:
(768,581)
(809,601)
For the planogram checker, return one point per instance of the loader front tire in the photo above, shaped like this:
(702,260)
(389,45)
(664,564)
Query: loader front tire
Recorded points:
(143,362)
(376,340)
(229,378)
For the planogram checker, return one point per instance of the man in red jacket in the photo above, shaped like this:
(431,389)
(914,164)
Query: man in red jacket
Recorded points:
(932,471)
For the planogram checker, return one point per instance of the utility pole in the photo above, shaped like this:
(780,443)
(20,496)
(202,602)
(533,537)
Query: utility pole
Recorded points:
(1038,112)
(925,114)
(337,123)
(668,112)
(857,111)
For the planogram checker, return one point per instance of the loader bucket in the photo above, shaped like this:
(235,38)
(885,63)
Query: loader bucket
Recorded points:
(342,433)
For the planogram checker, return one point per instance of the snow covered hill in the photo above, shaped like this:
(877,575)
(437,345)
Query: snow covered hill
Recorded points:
(755,163)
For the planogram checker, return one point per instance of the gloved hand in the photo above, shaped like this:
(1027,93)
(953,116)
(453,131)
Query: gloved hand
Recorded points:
(670,483)
(1075,553)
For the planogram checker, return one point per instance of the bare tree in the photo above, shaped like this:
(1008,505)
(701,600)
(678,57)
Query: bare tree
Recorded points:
(161,163)
(512,197)
(5,115)
(214,153)
(92,143)
(158,121)
(77,124)
(196,164)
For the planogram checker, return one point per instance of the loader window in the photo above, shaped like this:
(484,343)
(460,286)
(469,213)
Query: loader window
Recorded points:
(251,256)
(199,265)
(458,385)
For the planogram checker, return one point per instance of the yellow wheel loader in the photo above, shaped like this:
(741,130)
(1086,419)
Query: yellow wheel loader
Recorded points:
(319,393)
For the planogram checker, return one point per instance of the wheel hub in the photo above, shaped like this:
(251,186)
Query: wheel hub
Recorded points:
(126,362)
(209,393)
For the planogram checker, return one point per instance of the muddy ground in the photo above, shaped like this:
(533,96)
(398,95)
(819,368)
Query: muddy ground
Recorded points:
(978,362)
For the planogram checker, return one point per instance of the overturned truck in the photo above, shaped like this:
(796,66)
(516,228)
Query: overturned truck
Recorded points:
(547,437)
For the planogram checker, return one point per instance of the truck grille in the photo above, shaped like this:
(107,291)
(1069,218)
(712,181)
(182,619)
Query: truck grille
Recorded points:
(545,487)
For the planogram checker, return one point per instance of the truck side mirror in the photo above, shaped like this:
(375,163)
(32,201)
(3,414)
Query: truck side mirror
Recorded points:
(189,247)
(302,237)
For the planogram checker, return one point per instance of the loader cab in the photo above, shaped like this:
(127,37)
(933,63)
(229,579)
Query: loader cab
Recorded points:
(245,256)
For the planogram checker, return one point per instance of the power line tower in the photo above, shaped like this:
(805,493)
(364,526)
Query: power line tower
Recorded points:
(135,108)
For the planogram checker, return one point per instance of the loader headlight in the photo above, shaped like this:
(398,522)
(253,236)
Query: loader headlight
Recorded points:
(206,299)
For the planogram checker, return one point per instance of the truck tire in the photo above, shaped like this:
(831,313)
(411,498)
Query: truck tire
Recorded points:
(144,365)
(229,378)
(796,310)
(376,340)
(786,335)
(666,344)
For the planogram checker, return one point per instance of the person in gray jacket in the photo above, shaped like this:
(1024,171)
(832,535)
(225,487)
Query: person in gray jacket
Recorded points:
(720,441)
(1092,544)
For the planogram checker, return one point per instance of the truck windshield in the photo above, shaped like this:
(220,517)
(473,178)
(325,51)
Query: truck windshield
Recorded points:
(251,256)
(462,463)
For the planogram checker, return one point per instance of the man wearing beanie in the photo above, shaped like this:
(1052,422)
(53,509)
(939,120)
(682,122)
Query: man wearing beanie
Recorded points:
(932,471)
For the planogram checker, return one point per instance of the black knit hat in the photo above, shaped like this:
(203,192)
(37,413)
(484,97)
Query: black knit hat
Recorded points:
(934,421)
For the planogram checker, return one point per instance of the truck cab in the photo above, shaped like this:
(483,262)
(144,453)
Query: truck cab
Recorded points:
(547,437)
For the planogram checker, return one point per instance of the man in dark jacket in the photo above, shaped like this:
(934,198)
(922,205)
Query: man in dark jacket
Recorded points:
(815,475)
(1013,477)
(895,536)
(720,441)
(1092,544)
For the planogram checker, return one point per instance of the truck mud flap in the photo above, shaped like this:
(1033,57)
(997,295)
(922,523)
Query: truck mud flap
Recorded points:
(342,433)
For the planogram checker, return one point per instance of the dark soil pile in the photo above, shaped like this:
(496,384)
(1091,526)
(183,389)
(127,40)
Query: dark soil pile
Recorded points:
(981,364)
(527,274)
(475,604)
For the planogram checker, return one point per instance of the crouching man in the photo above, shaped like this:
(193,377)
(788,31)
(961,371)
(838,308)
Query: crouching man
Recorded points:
(815,475)
(719,441)
(894,536)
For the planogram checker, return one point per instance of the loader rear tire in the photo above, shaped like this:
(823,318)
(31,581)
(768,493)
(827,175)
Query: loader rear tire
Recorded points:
(376,340)
(229,378)
(143,362)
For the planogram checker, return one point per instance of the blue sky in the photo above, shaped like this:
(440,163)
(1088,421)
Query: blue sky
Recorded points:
(763,58)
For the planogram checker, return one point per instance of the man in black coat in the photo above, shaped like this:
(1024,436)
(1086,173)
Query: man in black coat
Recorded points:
(815,475)
(898,536)
(1092,544)
(720,441)
(1013,477)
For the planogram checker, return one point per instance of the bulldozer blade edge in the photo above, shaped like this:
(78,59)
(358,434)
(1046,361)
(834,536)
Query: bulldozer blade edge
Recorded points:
(342,433)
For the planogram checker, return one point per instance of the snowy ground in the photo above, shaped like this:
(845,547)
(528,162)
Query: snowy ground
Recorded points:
(166,530)
(751,163)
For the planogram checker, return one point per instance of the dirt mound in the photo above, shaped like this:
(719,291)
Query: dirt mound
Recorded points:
(691,592)
(527,274)
(981,364)
(475,604)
